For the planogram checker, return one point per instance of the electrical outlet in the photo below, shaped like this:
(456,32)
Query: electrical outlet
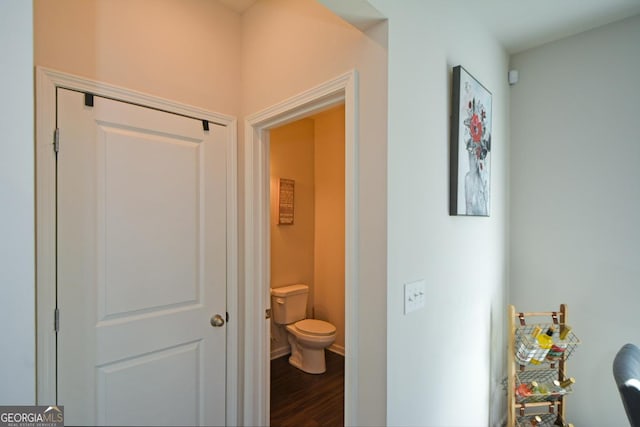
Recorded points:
(414,296)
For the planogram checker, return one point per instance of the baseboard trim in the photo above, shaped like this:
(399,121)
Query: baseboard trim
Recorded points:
(279,352)
(338,349)
(283,351)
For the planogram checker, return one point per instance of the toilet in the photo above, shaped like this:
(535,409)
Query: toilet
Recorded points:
(307,337)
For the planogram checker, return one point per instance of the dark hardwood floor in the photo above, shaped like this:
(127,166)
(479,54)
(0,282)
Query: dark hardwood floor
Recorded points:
(307,400)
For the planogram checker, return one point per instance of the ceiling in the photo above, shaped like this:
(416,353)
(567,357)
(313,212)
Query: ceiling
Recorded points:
(518,25)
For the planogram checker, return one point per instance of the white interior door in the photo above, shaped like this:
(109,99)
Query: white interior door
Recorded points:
(141,265)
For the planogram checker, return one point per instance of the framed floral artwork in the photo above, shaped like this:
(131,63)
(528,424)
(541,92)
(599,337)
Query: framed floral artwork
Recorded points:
(470,146)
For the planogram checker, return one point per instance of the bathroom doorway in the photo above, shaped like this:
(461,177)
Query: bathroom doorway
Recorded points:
(342,89)
(307,246)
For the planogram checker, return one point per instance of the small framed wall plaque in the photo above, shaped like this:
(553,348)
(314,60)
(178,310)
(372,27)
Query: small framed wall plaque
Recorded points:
(286,195)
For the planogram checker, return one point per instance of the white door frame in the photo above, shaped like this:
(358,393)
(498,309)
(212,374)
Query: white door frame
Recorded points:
(342,89)
(46,83)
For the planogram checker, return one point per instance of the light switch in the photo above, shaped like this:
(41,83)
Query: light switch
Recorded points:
(414,296)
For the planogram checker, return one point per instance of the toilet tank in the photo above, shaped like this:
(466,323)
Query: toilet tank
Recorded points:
(289,303)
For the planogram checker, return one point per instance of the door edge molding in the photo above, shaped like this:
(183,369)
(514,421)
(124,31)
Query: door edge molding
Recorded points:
(256,393)
(47,81)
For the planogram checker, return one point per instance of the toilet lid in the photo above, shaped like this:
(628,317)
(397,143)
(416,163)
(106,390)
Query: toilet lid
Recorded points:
(315,327)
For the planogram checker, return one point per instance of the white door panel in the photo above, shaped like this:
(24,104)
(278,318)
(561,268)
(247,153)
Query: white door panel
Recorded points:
(160,263)
(132,393)
(141,265)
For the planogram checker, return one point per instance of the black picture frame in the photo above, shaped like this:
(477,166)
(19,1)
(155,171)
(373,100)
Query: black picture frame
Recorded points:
(470,146)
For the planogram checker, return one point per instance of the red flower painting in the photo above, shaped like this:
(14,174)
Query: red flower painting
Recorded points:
(475,128)
(470,146)
(479,143)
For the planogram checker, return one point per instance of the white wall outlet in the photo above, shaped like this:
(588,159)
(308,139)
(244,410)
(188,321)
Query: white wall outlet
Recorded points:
(414,296)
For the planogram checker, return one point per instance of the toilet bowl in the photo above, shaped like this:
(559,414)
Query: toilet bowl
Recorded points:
(307,337)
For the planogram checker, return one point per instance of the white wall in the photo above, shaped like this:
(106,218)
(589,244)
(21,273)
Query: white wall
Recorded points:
(445,363)
(17,250)
(290,46)
(575,200)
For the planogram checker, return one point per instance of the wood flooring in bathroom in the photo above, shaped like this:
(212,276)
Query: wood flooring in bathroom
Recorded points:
(299,399)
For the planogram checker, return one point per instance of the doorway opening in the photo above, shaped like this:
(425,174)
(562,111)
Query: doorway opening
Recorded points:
(257,301)
(307,229)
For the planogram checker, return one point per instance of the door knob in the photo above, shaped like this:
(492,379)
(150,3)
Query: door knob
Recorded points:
(217,321)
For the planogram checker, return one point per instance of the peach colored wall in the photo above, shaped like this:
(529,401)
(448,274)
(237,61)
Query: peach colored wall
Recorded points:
(330,221)
(182,50)
(292,247)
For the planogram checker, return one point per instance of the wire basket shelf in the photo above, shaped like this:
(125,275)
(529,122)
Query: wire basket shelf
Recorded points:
(525,340)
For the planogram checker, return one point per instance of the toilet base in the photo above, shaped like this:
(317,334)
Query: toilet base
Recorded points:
(309,360)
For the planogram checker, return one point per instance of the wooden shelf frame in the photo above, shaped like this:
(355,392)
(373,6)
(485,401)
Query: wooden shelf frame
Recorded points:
(517,319)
